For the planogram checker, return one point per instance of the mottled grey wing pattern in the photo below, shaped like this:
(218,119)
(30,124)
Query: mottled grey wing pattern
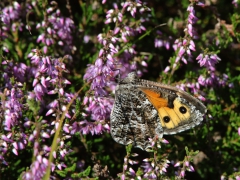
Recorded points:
(133,117)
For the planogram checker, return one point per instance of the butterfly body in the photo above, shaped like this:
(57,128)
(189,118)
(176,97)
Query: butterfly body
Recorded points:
(145,109)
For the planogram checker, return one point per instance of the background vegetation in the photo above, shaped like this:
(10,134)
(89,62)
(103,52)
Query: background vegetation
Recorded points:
(60,63)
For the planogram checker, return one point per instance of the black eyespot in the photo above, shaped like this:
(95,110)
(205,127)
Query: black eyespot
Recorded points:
(166,119)
(182,109)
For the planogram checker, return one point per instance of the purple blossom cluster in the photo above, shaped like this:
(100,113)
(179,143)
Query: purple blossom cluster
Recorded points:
(56,30)
(48,79)
(38,167)
(99,109)
(11,21)
(154,168)
(209,61)
(11,17)
(160,42)
(185,46)
(100,75)
(12,108)
(127,170)
(185,166)
(151,168)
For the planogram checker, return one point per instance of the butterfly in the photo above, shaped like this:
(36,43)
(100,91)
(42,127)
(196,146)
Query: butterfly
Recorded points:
(144,109)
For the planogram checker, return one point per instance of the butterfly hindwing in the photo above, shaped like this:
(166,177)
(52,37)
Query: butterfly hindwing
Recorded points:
(133,118)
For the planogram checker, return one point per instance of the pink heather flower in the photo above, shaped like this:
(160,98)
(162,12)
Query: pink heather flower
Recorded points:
(125,160)
(133,6)
(222,177)
(132,172)
(160,43)
(146,160)
(164,141)
(182,173)
(235,3)
(192,47)
(146,167)
(153,176)
(191,169)
(201,98)
(15,151)
(37,170)
(132,162)
(181,86)
(181,51)
(166,69)
(202,80)
(164,169)
(152,164)
(45,135)
(177,164)
(190,29)
(184,60)
(200,4)
(184,42)
(100,108)
(140,28)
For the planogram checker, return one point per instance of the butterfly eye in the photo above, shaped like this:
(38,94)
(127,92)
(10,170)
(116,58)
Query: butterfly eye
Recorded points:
(182,109)
(166,119)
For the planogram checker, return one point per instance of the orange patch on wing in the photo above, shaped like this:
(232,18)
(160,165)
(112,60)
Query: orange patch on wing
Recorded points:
(155,98)
(161,105)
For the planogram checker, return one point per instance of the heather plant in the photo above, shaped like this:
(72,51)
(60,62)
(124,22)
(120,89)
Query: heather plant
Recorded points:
(60,64)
